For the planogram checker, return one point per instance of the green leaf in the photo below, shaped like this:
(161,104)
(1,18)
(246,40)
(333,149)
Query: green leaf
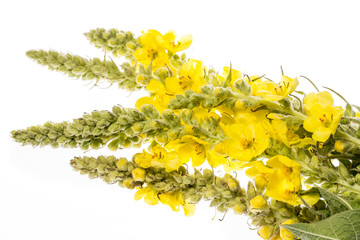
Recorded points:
(341,226)
(336,204)
(355,204)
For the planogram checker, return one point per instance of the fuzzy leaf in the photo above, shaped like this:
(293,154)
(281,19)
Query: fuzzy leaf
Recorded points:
(335,203)
(341,226)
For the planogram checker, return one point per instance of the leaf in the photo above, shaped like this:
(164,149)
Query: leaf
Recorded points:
(341,226)
(355,204)
(336,204)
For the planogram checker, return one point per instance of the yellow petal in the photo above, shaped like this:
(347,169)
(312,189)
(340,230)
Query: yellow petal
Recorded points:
(189,209)
(322,135)
(151,197)
(312,124)
(143,101)
(184,43)
(140,193)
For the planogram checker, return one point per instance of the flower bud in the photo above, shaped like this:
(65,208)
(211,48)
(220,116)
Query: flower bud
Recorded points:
(340,146)
(138,127)
(122,164)
(258,202)
(129,183)
(149,111)
(187,115)
(243,87)
(173,133)
(265,232)
(233,184)
(238,209)
(138,174)
(357,178)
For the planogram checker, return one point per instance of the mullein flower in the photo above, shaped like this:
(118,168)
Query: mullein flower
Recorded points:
(190,147)
(160,96)
(175,201)
(159,158)
(281,176)
(149,194)
(191,76)
(155,46)
(246,137)
(323,118)
(271,91)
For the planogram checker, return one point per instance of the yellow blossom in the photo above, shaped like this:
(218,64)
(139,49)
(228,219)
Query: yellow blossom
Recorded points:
(281,177)
(247,137)
(271,91)
(183,43)
(158,158)
(286,234)
(175,201)
(284,182)
(155,46)
(149,195)
(323,118)
(189,147)
(191,76)
(160,96)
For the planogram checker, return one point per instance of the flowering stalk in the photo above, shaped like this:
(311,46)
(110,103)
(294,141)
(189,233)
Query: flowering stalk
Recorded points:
(224,193)
(285,139)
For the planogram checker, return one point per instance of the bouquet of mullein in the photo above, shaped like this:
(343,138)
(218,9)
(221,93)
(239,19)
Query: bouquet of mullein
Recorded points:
(300,151)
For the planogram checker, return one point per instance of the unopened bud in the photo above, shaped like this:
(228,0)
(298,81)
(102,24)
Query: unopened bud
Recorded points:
(265,232)
(122,164)
(139,174)
(129,183)
(258,202)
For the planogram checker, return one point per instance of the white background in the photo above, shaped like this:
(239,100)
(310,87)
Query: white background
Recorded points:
(41,197)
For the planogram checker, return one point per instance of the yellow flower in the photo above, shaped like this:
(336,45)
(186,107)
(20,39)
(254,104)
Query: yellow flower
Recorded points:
(286,234)
(258,202)
(285,181)
(191,76)
(247,137)
(189,147)
(215,158)
(281,176)
(235,75)
(183,43)
(155,46)
(175,201)
(149,195)
(158,158)
(271,91)
(323,118)
(160,96)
